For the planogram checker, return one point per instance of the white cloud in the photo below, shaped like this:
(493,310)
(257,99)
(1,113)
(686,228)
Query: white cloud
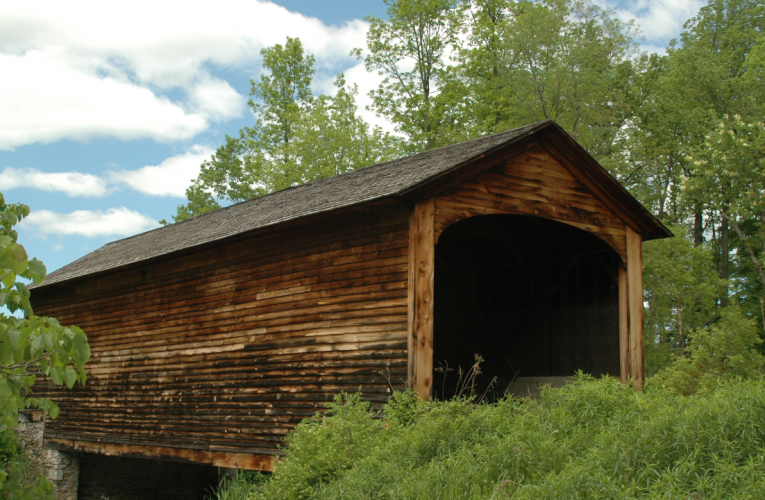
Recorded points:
(215,99)
(71,183)
(169,178)
(58,247)
(85,68)
(46,100)
(89,223)
(659,20)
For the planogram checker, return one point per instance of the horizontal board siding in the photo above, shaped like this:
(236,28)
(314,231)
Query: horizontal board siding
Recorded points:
(532,183)
(230,347)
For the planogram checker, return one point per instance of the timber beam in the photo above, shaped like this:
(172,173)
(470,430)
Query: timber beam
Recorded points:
(421,291)
(631,311)
(225,459)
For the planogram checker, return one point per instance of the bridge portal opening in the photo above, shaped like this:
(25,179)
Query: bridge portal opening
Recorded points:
(535,298)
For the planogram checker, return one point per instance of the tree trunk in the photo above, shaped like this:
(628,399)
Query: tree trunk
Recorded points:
(681,340)
(698,226)
(724,256)
(749,250)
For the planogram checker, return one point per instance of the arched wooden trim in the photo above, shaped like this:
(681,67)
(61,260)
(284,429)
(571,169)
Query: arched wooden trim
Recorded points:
(537,184)
(614,238)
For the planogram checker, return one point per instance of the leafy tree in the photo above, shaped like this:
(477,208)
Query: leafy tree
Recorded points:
(296,138)
(30,346)
(725,349)
(279,100)
(753,79)
(335,140)
(730,174)
(709,78)
(558,59)
(676,163)
(410,51)
(652,152)
(681,287)
(712,59)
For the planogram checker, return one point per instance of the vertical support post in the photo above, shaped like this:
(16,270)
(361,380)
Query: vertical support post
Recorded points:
(635,298)
(421,277)
(411,298)
(624,325)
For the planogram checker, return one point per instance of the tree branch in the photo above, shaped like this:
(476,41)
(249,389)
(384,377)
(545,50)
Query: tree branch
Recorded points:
(745,241)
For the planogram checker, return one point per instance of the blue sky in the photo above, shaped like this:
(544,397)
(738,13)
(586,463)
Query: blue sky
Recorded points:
(107,109)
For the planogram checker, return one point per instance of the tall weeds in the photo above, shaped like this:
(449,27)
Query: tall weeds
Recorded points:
(590,439)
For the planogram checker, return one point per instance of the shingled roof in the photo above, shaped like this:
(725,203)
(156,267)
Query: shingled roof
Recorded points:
(385,180)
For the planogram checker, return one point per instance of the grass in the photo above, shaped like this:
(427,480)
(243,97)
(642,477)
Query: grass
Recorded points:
(590,439)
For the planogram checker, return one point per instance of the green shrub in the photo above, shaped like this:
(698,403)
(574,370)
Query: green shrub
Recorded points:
(725,349)
(591,439)
(24,481)
(239,487)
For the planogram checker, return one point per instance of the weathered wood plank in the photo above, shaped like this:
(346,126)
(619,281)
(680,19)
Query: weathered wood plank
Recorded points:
(244,461)
(422,245)
(635,297)
(232,348)
(624,325)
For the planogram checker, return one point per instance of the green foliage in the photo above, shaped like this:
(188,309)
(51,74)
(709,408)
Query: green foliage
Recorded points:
(681,286)
(409,51)
(730,168)
(591,439)
(725,349)
(404,408)
(561,60)
(30,346)
(714,55)
(729,173)
(296,138)
(24,481)
(325,447)
(239,487)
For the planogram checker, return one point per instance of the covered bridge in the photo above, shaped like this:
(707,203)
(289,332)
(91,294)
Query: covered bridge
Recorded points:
(215,336)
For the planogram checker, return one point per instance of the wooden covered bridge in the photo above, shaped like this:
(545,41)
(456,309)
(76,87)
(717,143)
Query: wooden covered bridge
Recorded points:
(215,336)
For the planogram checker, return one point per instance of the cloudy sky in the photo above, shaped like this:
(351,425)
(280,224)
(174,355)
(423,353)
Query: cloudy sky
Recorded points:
(108,108)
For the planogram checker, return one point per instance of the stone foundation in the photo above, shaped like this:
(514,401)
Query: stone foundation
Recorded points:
(61,468)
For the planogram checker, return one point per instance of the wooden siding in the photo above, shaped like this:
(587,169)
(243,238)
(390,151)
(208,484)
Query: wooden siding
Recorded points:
(532,183)
(226,349)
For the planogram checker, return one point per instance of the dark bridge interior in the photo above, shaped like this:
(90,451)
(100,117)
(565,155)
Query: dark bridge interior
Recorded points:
(533,297)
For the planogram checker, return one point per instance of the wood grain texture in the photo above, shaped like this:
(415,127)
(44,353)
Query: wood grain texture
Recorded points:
(635,298)
(624,325)
(422,265)
(215,355)
(245,461)
(531,183)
